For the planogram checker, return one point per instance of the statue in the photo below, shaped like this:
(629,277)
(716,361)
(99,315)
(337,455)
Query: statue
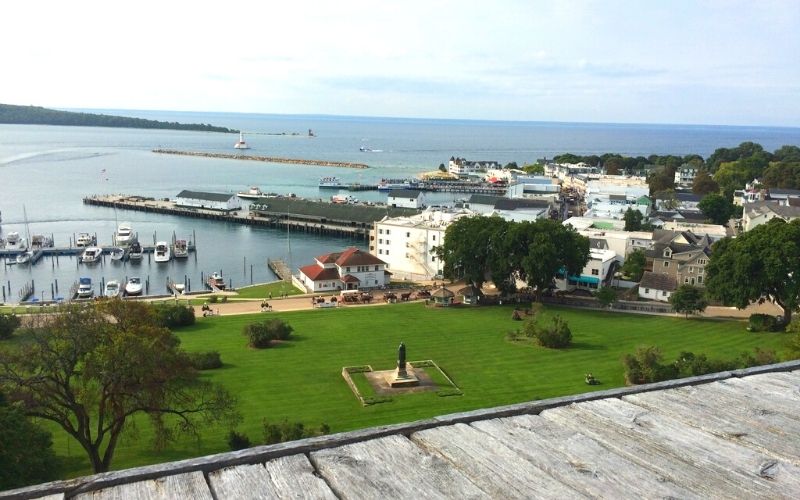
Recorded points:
(401,361)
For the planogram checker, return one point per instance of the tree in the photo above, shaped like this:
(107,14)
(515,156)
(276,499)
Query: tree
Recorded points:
(89,369)
(536,169)
(761,264)
(704,184)
(8,323)
(688,299)
(442,168)
(661,180)
(633,220)
(634,264)
(717,208)
(667,199)
(471,245)
(555,336)
(645,366)
(26,452)
(606,296)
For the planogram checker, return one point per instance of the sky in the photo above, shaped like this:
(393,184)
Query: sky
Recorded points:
(725,62)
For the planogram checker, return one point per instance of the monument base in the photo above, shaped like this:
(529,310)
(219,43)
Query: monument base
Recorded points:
(396,379)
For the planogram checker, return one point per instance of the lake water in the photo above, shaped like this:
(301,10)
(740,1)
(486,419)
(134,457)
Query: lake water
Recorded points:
(48,170)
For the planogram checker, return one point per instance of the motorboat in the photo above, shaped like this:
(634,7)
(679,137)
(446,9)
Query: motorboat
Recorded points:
(84,240)
(135,252)
(85,288)
(253,193)
(330,183)
(91,255)
(390,184)
(113,289)
(16,242)
(124,234)
(241,144)
(117,253)
(133,286)
(162,253)
(24,257)
(180,249)
(216,281)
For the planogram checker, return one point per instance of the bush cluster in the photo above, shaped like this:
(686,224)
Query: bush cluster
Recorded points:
(209,360)
(555,336)
(261,334)
(238,441)
(291,431)
(8,323)
(763,323)
(174,315)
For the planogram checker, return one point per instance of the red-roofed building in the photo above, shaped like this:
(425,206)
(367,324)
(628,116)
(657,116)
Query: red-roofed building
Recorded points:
(352,269)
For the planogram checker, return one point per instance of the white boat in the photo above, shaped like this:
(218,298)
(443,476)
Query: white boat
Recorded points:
(390,184)
(253,193)
(16,242)
(117,253)
(91,254)
(180,249)
(216,281)
(179,287)
(241,144)
(330,183)
(85,288)
(113,289)
(135,252)
(133,286)
(124,234)
(84,240)
(162,253)
(24,257)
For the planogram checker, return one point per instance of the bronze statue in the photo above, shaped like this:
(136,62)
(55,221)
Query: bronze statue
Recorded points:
(401,360)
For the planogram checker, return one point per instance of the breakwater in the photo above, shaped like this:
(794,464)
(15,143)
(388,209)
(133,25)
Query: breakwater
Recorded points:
(266,159)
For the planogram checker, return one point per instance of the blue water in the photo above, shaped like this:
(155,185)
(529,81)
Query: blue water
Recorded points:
(50,169)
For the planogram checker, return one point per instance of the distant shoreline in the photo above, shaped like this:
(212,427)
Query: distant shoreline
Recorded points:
(266,159)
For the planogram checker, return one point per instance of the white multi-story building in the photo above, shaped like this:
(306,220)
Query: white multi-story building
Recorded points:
(464,168)
(596,274)
(684,175)
(622,243)
(407,244)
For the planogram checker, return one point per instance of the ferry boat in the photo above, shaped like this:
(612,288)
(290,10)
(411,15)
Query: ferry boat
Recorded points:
(113,289)
(16,242)
(180,249)
(390,184)
(330,183)
(241,144)
(84,240)
(253,193)
(133,286)
(91,255)
(135,253)
(85,288)
(162,253)
(216,281)
(124,234)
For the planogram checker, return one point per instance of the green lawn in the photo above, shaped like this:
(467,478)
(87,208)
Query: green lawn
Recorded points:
(301,380)
(276,288)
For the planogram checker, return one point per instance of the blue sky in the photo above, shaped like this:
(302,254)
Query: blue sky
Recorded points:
(705,62)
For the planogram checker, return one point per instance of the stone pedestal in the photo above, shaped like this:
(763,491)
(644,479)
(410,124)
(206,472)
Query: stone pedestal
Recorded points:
(402,378)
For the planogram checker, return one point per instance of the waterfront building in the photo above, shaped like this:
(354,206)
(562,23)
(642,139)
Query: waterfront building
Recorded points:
(211,201)
(509,209)
(598,272)
(352,269)
(406,198)
(465,168)
(535,187)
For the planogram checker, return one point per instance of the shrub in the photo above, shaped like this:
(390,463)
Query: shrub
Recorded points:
(8,323)
(224,299)
(213,299)
(291,431)
(209,360)
(258,336)
(644,366)
(762,323)
(174,315)
(237,441)
(555,336)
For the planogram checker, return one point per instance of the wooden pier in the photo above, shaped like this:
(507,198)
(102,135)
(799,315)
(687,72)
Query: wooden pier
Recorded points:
(280,269)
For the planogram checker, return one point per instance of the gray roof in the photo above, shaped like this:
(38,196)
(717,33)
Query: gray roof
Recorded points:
(483,199)
(725,435)
(762,207)
(518,203)
(688,196)
(199,195)
(657,281)
(404,193)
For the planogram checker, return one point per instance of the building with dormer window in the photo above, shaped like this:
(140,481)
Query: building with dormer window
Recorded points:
(352,269)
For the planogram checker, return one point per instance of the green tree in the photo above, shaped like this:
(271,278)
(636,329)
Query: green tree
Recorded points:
(606,296)
(704,184)
(634,265)
(89,369)
(633,220)
(759,264)
(661,180)
(26,453)
(717,208)
(442,168)
(535,169)
(645,366)
(667,199)
(688,299)
(471,245)
(8,323)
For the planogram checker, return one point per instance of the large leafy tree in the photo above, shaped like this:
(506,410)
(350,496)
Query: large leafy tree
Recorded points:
(704,184)
(26,452)
(634,264)
(761,264)
(633,220)
(89,369)
(471,246)
(717,208)
(688,299)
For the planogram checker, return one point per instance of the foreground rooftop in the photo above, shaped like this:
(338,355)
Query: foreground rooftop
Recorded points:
(726,435)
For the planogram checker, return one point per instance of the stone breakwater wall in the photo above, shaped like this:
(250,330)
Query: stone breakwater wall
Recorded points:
(268,159)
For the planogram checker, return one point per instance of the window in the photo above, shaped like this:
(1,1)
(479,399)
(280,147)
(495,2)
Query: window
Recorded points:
(376,268)
(408,235)
(646,290)
(380,251)
(387,252)
(380,231)
(691,270)
(663,294)
(595,272)
(433,259)
(667,253)
(666,264)
(380,241)
(434,237)
(347,269)
(699,279)
(686,279)
(387,242)
(387,231)
(701,261)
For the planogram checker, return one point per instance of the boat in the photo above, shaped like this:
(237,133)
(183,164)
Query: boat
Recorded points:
(113,289)
(180,249)
(41,241)
(162,253)
(135,252)
(124,234)
(390,184)
(85,288)
(24,257)
(179,287)
(84,240)
(253,193)
(216,281)
(241,144)
(330,183)
(133,286)
(91,255)
(16,242)
(117,253)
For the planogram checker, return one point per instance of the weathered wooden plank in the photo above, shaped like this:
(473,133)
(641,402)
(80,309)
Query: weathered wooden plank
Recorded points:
(391,467)
(283,478)
(706,463)
(579,461)
(763,395)
(56,496)
(785,384)
(494,467)
(713,410)
(192,485)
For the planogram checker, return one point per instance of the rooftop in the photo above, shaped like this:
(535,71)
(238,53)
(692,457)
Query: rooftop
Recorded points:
(405,193)
(199,195)
(725,435)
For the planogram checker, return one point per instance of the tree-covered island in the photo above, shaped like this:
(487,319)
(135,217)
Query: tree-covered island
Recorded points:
(35,115)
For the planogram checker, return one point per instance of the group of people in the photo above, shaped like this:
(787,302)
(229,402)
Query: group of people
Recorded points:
(207,311)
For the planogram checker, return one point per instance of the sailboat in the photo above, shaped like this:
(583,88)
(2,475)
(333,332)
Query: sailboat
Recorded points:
(26,256)
(241,144)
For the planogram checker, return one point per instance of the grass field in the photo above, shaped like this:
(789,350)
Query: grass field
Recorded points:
(301,380)
(277,289)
